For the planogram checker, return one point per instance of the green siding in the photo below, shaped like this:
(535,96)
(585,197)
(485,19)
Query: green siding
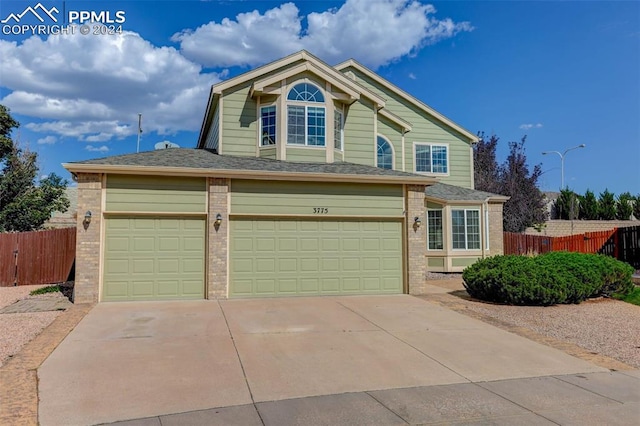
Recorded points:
(307,155)
(393,135)
(153,258)
(268,153)
(341,199)
(359,137)
(463,261)
(311,257)
(239,123)
(434,206)
(435,262)
(159,194)
(428,130)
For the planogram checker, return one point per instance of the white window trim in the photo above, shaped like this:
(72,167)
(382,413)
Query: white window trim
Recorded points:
(442,213)
(272,104)
(486,228)
(306,106)
(393,150)
(445,145)
(466,236)
(341,112)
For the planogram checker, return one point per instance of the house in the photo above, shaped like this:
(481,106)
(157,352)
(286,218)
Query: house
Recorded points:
(307,180)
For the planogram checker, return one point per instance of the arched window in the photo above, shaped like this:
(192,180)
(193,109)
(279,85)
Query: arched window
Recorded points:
(305,92)
(385,154)
(305,118)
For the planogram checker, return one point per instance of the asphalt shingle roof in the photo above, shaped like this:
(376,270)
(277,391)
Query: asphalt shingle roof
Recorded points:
(442,191)
(204,159)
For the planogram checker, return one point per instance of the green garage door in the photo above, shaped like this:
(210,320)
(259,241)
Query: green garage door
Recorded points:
(154,258)
(309,257)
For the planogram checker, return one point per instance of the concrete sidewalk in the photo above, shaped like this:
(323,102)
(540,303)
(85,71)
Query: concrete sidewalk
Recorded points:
(138,360)
(585,399)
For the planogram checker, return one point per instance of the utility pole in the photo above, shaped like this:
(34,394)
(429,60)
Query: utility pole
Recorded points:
(139,131)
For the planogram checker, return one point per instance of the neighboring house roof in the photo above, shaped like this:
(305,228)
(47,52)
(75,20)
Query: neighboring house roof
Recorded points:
(443,192)
(416,102)
(202,162)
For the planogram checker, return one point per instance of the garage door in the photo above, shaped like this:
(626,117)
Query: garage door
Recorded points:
(309,257)
(154,258)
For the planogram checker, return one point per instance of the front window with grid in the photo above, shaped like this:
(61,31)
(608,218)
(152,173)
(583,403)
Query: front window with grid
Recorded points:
(268,125)
(434,230)
(465,229)
(306,124)
(431,158)
(338,118)
(384,159)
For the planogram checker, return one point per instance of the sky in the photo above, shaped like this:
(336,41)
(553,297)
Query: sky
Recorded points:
(563,73)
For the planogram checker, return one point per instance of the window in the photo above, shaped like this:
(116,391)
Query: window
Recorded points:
(305,123)
(305,92)
(385,154)
(338,131)
(434,230)
(431,158)
(465,229)
(268,125)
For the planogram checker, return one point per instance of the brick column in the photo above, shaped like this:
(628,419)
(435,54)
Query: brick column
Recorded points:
(496,238)
(416,240)
(86,289)
(218,239)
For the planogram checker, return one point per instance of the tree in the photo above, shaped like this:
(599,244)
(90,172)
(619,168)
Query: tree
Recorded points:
(636,207)
(607,205)
(526,206)
(25,206)
(567,205)
(589,206)
(625,206)
(486,172)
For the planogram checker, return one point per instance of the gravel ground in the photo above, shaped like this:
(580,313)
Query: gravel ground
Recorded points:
(18,329)
(604,326)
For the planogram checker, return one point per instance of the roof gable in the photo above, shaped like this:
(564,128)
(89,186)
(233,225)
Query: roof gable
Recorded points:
(407,97)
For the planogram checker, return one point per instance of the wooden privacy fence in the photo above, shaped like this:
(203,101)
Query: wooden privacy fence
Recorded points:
(39,257)
(621,243)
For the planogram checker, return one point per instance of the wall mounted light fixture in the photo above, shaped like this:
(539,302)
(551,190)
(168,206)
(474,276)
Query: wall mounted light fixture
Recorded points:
(87,217)
(417,222)
(218,220)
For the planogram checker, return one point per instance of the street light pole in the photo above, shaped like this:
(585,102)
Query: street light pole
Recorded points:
(562,155)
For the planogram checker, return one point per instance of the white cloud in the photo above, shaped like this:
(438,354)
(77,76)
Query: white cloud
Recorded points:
(375,32)
(47,140)
(92,88)
(530,126)
(92,148)
(412,76)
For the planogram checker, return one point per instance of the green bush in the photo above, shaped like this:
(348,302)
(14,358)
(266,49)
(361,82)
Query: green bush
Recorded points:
(548,279)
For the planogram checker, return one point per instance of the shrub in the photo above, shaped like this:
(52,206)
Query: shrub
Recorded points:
(551,278)
(44,290)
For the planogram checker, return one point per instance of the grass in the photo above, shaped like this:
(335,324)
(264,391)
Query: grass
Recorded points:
(47,289)
(633,297)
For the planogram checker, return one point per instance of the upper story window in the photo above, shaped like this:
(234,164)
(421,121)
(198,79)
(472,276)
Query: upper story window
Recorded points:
(306,121)
(431,158)
(268,125)
(305,92)
(384,159)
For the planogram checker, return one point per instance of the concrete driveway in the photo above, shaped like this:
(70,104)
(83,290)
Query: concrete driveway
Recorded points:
(134,360)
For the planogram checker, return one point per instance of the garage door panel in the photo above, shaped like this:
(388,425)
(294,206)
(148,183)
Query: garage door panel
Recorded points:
(154,258)
(314,257)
